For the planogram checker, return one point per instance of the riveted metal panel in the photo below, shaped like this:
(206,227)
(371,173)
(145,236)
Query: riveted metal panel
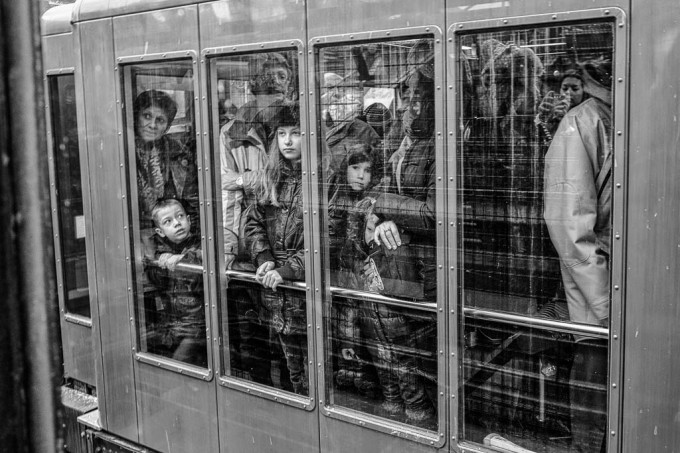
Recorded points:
(651,411)
(167,30)
(99,9)
(388,435)
(340,16)
(465,10)
(176,412)
(59,58)
(175,403)
(463,17)
(260,21)
(110,315)
(250,415)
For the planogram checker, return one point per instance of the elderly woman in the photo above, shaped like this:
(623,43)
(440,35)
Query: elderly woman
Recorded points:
(165,169)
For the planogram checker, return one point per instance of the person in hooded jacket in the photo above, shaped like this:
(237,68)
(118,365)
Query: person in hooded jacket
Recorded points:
(578,196)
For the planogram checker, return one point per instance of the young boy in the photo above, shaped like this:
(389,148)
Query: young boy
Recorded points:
(182,291)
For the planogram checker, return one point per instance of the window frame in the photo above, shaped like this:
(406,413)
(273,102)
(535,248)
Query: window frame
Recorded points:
(211,134)
(86,321)
(620,88)
(323,288)
(124,98)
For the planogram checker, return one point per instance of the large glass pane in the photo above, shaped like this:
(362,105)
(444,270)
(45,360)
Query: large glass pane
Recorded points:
(377,149)
(69,192)
(535,154)
(171,316)
(260,149)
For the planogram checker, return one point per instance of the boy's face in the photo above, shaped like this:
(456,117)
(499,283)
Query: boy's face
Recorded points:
(174,223)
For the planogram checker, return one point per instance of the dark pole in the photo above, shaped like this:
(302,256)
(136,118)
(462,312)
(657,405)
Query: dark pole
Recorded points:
(29,344)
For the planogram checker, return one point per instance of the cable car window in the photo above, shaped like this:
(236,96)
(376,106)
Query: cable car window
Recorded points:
(377,149)
(169,296)
(535,162)
(69,195)
(260,149)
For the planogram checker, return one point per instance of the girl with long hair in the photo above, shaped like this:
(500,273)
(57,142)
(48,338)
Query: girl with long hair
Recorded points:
(275,240)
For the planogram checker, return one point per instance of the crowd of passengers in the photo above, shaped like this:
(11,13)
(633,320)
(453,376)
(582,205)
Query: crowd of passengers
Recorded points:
(379,174)
(380,180)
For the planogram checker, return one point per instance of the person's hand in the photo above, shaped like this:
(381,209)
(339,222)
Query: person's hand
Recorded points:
(173,260)
(348,354)
(267,276)
(169,261)
(272,279)
(547,107)
(561,107)
(263,269)
(387,233)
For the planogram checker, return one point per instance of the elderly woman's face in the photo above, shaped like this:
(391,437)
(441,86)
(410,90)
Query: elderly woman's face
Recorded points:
(152,123)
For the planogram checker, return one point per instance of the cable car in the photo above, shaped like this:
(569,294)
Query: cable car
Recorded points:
(366,225)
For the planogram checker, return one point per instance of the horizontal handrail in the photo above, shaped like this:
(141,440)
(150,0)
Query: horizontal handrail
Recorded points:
(587,330)
(344,292)
(540,323)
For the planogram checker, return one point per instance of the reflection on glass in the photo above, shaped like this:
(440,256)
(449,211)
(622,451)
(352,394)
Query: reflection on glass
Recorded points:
(69,194)
(169,297)
(260,149)
(384,361)
(378,160)
(534,178)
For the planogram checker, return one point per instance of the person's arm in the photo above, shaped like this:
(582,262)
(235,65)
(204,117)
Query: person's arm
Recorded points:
(571,209)
(410,214)
(232,196)
(257,239)
(237,146)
